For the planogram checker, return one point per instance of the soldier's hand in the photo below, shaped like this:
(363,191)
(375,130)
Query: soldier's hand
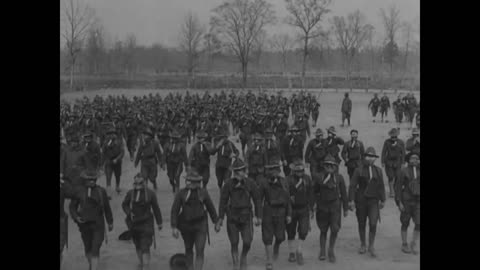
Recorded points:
(381,204)
(175,233)
(160,227)
(217,227)
(110,227)
(401,207)
(131,159)
(351,205)
(289,220)
(80,220)
(284,163)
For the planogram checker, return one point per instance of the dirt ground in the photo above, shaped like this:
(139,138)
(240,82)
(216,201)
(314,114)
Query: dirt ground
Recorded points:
(120,255)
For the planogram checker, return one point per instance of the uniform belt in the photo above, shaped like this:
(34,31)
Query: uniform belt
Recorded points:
(299,206)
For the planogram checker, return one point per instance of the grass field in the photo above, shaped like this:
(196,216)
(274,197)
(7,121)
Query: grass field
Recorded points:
(118,255)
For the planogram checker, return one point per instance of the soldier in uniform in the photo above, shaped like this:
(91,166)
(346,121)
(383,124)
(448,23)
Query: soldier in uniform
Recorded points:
(113,152)
(131,130)
(141,206)
(255,158)
(333,144)
(90,208)
(245,124)
(384,106)
(66,192)
(292,149)
(346,109)
(163,130)
(151,155)
(236,198)
(366,194)
(373,105)
(407,198)
(272,148)
(92,158)
(199,156)
(330,196)
(280,127)
(226,151)
(413,143)
(71,162)
(316,152)
(277,209)
(175,155)
(192,221)
(352,153)
(302,123)
(398,109)
(315,113)
(393,156)
(302,200)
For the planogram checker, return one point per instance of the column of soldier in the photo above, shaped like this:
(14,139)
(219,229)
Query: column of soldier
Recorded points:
(156,133)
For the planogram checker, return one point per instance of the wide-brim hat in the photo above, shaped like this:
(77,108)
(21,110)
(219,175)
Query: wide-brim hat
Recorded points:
(89,174)
(409,155)
(148,131)
(332,130)
(318,132)
(175,134)
(178,262)
(87,134)
(394,132)
(330,160)
(297,166)
(111,131)
(294,128)
(257,136)
(193,176)
(238,164)
(273,164)
(370,152)
(202,134)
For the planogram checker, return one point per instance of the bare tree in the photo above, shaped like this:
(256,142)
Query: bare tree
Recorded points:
(212,47)
(258,47)
(351,34)
(190,40)
(306,15)
(238,23)
(282,43)
(129,48)
(391,22)
(76,19)
(95,47)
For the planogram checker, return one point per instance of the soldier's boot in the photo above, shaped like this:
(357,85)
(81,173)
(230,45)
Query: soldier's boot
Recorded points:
(199,262)
(146,261)
(243,257)
(299,257)
(291,255)
(391,189)
(362,232)
(269,252)
(323,242)
(276,248)
(331,247)
(371,240)
(413,244)
(94,263)
(140,260)
(405,247)
(89,259)
(235,263)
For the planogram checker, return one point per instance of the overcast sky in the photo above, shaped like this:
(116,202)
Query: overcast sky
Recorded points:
(158,21)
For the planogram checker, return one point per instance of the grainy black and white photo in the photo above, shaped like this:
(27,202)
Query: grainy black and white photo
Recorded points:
(239,134)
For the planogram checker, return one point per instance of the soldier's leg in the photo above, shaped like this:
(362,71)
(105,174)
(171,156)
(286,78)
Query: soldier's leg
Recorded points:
(279,232)
(361,213)
(247,237)
(322,223)
(335,224)
(98,236)
(117,171)
(416,230)
(87,239)
(390,172)
(267,238)
(137,243)
(303,228)
(205,173)
(153,175)
(146,241)
(178,170)
(348,119)
(405,217)
(171,173)
(108,173)
(233,236)
(200,240)
(291,233)
(188,241)
(219,172)
(373,216)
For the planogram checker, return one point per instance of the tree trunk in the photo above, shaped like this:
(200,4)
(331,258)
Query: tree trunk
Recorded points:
(72,72)
(304,64)
(244,74)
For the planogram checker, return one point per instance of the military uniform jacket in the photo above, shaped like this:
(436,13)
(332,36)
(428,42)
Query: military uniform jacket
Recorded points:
(92,156)
(280,128)
(407,186)
(374,103)
(329,188)
(316,151)
(141,206)
(272,151)
(223,154)
(72,163)
(236,199)
(385,103)
(393,153)
(352,153)
(333,147)
(304,128)
(275,197)
(188,198)
(149,153)
(176,152)
(301,192)
(66,192)
(398,106)
(200,154)
(113,149)
(131,128)
(366,183)
(255,158)
(292,148)
(92,205)
(412,146)
(346,105)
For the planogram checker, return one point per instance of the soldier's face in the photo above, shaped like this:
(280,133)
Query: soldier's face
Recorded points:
(299,173)
(319,137)
(273,172)
(414,161)
(90,183)
(329,168)
(354,136)
(370,160)
(139,185)
(88,139)
(240,174)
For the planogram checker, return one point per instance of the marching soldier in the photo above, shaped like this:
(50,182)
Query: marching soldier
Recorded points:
(352,153)
(316,152)
(131,130)
(151,155)
(237,195)
(292,149)
(226,151)
(315,113)
(113,152)
(333,143)
(66,192)
(175,155)
(280,127)
(192,221)
(90,208)
(302,200)
(330,196)
(277,209)
(407,198)
(93,157)
(71,163)
(141,206)
(373,105)
(366,194)
(413,143)
(384,106)
(398,109)
(245,132)
(255,158)
(393,156)
(346,109)
(272,148)
(301,122)
(199,156)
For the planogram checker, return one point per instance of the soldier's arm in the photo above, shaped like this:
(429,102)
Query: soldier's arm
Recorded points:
(224,196)
(362,151)
(308,151)
(399,186)
(122,152)
(402,155)
(384,153)
(343,194)
(310,195)
(156,209)
(340,141)
(191,155)
(289,202)
(126,203)
(106,207)
(160,153)
(184,157)
(352,188)
(177,202)
(254,189)
(138,155)
(308,128)
(344,152)
(73,207)
(382,185)
(210,207)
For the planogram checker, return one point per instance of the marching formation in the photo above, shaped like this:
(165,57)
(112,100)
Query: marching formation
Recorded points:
(279,179)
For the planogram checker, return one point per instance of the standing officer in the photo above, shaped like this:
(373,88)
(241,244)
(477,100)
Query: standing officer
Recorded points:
(292,149)
(393,156)
(366,194)
(90,208)
(346,109)
(141,206)
(277,209)
(352,153)
(113,152)
(302,200)
(384,106)
(236,198)
(413,143)
(407,198)
(175,155)
(330,196)
(189,217)
(151,154)
(226,151)
(255,158)
(398,109)
(199,156)
(373,105)
(316,152)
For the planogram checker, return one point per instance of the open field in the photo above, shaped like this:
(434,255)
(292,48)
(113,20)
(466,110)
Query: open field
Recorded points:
(119,255)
